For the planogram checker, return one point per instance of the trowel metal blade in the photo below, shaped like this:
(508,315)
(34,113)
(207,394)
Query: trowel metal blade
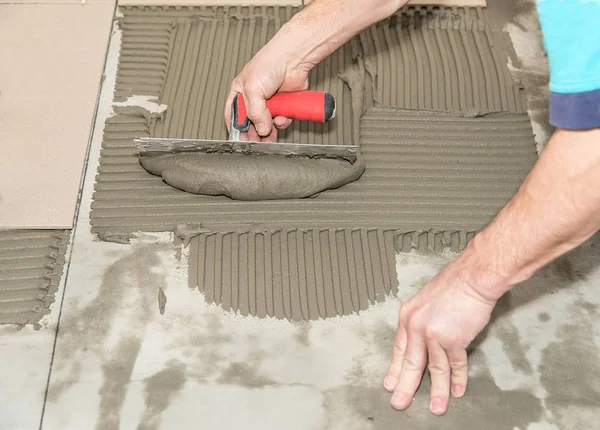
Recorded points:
(154,146)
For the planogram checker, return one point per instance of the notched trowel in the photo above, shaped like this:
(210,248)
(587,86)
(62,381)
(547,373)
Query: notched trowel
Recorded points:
(314,106)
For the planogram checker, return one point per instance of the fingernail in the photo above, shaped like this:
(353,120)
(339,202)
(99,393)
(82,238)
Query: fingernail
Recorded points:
(458,390)
(261,129)
(437,406)
(390,382)
(399,400)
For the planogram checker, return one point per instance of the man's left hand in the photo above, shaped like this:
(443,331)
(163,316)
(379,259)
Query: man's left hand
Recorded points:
(437,325)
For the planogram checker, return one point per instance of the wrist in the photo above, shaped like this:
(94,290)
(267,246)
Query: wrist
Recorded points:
(479,271)
(302,46)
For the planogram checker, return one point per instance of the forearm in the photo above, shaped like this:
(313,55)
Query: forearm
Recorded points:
(555,210)
(325,25)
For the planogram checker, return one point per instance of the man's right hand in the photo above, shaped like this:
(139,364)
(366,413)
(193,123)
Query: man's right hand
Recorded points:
(282,65)
(266,74)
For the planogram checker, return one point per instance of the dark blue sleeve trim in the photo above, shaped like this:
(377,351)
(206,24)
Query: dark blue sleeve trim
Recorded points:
(575,111)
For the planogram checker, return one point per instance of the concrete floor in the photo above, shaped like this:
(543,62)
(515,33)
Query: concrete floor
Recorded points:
(119,363)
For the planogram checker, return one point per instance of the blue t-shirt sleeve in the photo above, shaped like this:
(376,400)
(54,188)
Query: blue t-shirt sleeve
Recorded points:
(572,38)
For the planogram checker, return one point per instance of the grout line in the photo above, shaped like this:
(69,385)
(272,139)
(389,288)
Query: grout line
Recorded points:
(77,211)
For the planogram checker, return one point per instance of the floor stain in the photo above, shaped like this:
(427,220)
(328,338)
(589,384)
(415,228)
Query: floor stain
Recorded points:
(589,307)
(503,328)
(565,269)
(383,338)
(123,306)
(116,373)
(160,389)
(544,317)
(485,407)
(512,345)
(206,344)
(302,335)
(569,372)
(247,373)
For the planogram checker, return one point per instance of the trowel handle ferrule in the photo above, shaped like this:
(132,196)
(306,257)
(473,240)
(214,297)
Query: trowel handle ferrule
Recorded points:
(317,106)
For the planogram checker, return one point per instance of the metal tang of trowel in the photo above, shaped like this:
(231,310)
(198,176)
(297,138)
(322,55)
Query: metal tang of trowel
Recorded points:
(316,106)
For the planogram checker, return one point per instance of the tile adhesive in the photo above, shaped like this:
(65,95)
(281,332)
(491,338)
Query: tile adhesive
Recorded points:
(31,265)
(441,125)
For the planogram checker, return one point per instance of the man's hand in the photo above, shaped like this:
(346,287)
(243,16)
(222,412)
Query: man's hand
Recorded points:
(266,74)
(282,65)
(437,325)
(554,211)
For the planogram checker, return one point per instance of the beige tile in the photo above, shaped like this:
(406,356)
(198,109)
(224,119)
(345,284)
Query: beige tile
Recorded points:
(449,2)
(211,2)
(442,2)
(55,56)
(58,1)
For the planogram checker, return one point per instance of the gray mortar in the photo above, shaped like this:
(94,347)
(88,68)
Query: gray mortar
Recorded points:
(432,179)
(31,266)
(252,177)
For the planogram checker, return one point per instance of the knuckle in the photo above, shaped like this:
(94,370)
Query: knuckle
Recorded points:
(403,313)
(252,89)
(408,313)
(411,364)
(453,339)
(458,365)
(438,369)
(413,324)
(405,308)
(432,333)
(398,350)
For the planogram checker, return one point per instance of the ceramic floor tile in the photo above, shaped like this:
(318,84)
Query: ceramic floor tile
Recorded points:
(56,2)
(47,103)
(441,2)
(449,2)
(211,2)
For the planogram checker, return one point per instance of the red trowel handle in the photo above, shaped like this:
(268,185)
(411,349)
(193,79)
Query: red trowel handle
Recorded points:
(316,106)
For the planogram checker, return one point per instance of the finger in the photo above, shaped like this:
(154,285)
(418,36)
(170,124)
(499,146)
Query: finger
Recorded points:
(413,365)
(244,137)
(439,372)
(253,136)
(459,371)
(281,122)
(256,108)
(391,377)
(272,137)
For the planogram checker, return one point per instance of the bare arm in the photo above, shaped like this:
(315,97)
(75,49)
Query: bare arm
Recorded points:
(325,25)
(306,39)
(556,209)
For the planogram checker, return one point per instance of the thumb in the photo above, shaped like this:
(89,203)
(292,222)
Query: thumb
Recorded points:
(256,108)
